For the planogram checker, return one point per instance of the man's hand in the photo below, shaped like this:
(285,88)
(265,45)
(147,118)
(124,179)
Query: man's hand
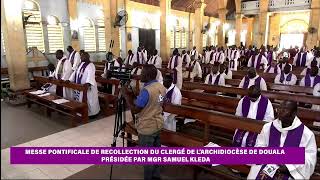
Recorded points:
(67,81)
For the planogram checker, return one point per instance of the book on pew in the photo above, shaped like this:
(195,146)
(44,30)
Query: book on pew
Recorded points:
(60,101)
(45,94)
(38,92)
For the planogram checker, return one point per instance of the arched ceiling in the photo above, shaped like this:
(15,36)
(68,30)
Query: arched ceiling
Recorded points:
(189,5)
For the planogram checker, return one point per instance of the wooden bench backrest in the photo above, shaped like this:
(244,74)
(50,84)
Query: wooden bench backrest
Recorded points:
(229,105)
(114,82)
(268,77)
(79,87)
(217,119)
(239,91)
(276,87)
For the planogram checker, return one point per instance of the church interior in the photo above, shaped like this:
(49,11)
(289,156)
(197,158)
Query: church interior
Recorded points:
(227,67)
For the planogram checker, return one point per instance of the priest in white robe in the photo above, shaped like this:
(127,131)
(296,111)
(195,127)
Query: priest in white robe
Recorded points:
(193,69)
(129,59)
(218,57)
(273,68)
(287,131)
(74,58)
(185,58)
(175,64)
(155,59)
(253,106)
(310,80)
(139,57)
(194,53)
(215,78)
(85,74)
(259,61)
(173,95)
(252,78)
(233,59)
(302,58)
(286,77)
(225,71)
(63,71)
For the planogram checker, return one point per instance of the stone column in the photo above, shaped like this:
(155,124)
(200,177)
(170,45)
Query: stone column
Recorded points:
(190,30)
(274,30)
(238,29)
(74,24)
(249,36)
(198,19)
(314,38)
(238,22)
(14,39)
(221,31)
(165,8)
(263,22)
(110,10)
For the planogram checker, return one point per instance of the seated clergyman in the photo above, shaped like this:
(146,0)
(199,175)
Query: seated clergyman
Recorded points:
(286,131)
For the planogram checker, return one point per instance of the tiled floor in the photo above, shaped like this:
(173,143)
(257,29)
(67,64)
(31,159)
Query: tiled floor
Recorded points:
(97,133)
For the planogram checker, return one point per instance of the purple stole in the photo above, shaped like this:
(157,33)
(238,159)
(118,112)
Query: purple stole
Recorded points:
(135,71)
(80,75)
(304,59)
(192,67)
(269,57)
(138,58)
(185,58)
(307,80)
(72,57)
(308,71)
(175,72)
(287,79)
(275,69)
(59,89)
(216,82)
(217,60)
(246,82)
(211,55)
(252,137)
(293,139)
(232,58)
(169,95)
(258,61)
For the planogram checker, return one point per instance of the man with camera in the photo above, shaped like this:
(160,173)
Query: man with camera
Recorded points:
(148,107)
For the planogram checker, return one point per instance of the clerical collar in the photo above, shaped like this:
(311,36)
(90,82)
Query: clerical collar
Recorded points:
(278,125)
(171,86)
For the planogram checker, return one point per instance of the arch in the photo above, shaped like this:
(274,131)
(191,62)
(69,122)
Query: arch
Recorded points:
(87,22)
(294,26)
(53,20)
(31,5)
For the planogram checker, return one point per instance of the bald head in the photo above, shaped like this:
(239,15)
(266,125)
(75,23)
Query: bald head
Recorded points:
(252,73)
(287,112)
(254,93)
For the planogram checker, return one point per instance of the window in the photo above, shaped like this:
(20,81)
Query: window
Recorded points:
(184,35)
(89,37)
(101,35)
(178,36)
(33,25)
(171,39)
(55,36)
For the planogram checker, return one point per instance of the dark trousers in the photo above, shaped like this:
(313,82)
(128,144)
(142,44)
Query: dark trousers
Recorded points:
(153,140)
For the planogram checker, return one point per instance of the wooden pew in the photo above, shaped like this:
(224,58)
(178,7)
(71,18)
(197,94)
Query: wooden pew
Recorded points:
(239,91)
(229,105)
(268,77)
(108,99)
(71,108)
(276,87)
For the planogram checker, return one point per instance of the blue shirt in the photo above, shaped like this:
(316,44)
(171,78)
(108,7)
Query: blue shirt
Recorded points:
(143,97)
